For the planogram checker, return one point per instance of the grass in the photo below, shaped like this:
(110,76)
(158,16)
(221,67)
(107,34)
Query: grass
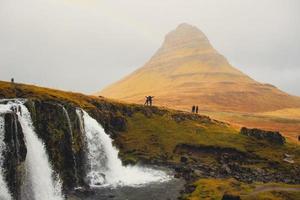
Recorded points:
(153,133)
(159,135)
(214,189)
(287,124)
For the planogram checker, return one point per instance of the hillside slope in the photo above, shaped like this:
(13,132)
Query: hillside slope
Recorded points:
(195,146)
(187,70)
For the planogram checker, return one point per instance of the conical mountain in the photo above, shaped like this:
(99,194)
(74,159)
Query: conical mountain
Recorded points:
(186,70)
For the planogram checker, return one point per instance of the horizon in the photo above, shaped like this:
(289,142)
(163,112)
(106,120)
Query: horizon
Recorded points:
(49,53)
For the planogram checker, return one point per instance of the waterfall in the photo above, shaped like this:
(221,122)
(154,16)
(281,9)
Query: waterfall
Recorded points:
(105,168)
(4,193)
(44,187)
(72,143)
(38,168)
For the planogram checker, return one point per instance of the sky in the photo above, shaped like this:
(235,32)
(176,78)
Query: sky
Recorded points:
(85,45)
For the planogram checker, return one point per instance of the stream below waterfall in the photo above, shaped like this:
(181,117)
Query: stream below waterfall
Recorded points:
(169,190)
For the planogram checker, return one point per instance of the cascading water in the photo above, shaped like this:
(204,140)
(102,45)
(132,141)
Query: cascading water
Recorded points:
(37,163)
(105,166)
(4,193)
(44,187)
(72,140)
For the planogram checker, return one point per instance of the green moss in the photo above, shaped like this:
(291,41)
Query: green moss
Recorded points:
(159,135)
(214,189)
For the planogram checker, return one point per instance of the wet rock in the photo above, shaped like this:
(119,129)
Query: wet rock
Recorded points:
(270,136)
(226,169)
(183,159)
(65,147)
(190,188)
(15,154)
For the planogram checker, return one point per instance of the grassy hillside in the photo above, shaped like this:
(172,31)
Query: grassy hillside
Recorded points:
(213,189)
(186,70)
(196,146)
(286,121)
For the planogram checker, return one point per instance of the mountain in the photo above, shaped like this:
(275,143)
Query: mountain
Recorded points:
(187,70)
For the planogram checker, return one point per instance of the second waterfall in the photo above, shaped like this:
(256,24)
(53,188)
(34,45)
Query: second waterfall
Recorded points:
(105,168)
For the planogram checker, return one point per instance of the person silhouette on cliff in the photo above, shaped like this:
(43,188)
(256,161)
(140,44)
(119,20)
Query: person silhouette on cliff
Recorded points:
(193,108)
(148,100)
(196,109)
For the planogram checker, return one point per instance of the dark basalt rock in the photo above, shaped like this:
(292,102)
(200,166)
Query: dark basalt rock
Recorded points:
(270,136)
(14,155)
(231,197)
(66,152)
(119,123)
(183,159)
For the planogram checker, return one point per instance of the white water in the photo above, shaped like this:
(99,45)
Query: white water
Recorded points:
(4,193)
(105,166)
(44,186)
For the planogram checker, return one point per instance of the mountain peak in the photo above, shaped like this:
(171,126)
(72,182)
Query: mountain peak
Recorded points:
(185,36)
(185,27)
(187,70)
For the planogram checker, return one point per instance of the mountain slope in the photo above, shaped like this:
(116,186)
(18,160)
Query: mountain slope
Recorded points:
(187,70)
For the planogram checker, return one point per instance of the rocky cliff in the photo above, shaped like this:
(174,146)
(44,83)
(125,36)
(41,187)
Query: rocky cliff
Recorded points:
(193,145)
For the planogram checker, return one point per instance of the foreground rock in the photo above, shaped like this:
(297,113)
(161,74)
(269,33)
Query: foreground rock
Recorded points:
(270,136)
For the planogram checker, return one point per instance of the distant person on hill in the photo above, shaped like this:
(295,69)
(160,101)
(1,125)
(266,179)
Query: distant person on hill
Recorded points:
(12,80)
(147,101)
(193,109)
(150,98)
(197,109)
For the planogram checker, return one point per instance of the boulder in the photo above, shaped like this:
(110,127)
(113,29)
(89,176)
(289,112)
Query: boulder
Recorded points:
(273,137)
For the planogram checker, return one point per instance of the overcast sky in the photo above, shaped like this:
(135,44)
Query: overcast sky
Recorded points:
(84,45)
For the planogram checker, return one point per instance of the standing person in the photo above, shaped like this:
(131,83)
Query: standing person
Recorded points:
(193,108)
(150,99)
(147,101)
(197,109)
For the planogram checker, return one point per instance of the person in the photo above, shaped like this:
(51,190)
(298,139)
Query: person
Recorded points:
(12,80)
(197,109)
(150,100)
(147,101)
(193,108)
